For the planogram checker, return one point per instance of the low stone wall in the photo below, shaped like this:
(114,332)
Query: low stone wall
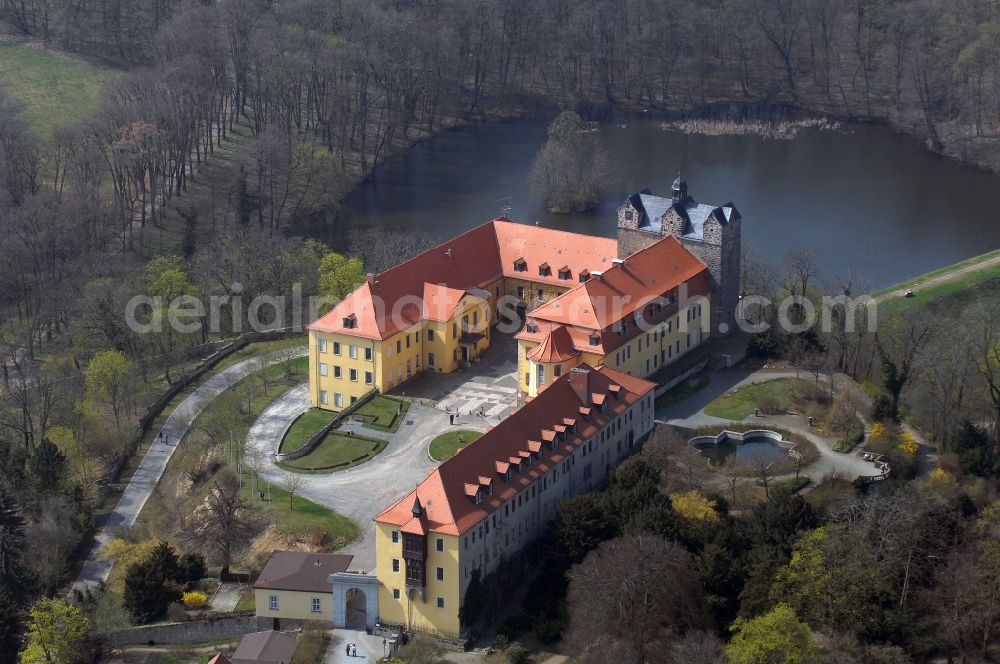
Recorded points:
(194,631)
(317,437)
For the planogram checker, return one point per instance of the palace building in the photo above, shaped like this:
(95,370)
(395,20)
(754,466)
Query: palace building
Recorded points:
(498,493)
(594,317)
(636,303)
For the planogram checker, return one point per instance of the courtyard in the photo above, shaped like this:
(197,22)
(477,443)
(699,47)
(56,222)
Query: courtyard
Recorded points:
(489,385)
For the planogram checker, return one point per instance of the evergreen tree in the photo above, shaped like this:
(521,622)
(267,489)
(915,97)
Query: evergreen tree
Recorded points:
(10,628)
(151,585)
(48,464)
(14,577)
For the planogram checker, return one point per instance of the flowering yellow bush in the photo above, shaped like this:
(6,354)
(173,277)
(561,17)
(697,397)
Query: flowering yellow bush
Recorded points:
(194,600)
(878,430)
(940,476)
(907,443)
(692,505)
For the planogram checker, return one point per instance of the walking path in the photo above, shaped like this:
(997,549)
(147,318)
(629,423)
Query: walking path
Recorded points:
(690,414)
(140,487)
(947,277)
(360,492)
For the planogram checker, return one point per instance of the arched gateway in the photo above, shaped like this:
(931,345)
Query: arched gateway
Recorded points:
(355,600)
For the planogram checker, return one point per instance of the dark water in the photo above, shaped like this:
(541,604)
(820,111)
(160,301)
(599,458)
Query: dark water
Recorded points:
(749,453)
(868,200)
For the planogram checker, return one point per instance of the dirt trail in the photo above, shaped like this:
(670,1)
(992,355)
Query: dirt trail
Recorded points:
(942,279)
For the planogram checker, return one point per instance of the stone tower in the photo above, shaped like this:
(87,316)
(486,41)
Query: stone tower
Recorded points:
(712,233)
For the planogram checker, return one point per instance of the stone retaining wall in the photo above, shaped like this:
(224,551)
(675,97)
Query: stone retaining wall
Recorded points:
(317,437)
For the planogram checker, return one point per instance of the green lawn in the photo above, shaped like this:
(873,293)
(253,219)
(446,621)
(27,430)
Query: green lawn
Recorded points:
(56,89)
(935,273)
(448,444)
(383,413)
(309,423)
(980,285)
(738,404)
(337,451)
(187,477)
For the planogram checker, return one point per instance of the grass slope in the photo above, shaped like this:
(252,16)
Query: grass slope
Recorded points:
(337,451)
(309,423)
(56,89)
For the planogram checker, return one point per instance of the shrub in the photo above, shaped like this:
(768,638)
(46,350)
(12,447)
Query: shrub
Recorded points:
(907,443)
(877,431)
(762,345)
(194,600)
(770,404)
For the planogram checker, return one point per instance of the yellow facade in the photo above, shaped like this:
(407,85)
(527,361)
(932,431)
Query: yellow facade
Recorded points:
(642,355)
(293,604)
(342,367)
(437,610)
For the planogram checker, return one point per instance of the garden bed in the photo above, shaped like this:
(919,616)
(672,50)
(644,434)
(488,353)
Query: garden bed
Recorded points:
(383,413)
(337,451)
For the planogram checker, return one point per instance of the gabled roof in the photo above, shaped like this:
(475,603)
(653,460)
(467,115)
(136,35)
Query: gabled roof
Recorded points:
(301,570)
(270,647)
(624,288)
(448,509)
(473,260)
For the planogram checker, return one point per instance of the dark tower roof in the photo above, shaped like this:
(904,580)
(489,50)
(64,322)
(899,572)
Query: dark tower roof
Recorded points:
(418,509)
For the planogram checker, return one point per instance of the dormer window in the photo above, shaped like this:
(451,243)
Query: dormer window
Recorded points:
(594,339)
(585,413)
(628,215)
(532,328)
(350,321)
(544,270)
(584,276)
(520,265)
(506,476)
(616,391)
(565,274)
(478,498)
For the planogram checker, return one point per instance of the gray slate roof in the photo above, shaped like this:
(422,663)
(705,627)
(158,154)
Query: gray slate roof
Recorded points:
(696,214)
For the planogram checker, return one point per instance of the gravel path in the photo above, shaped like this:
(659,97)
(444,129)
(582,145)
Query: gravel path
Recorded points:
(151,468)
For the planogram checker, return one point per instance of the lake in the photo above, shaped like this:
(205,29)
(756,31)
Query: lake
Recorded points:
(868,200)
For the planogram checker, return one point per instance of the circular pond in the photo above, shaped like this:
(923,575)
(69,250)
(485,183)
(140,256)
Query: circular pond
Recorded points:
(746,449)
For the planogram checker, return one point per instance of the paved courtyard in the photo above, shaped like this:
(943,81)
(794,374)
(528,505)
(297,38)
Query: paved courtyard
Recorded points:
(490,384)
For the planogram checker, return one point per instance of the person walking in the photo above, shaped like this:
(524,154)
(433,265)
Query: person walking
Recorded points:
(347,649)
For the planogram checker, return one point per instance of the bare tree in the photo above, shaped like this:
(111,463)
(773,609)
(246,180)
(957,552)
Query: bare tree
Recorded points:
(225,521)
(292,482)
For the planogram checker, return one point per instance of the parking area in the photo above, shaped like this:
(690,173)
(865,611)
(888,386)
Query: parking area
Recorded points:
(489,385)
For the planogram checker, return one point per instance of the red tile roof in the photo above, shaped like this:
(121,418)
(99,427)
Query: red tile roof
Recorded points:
(557,346)
(392,300)
(448,509)
(624,288)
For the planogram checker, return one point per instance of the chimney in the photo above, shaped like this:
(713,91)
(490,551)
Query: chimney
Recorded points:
(579,380)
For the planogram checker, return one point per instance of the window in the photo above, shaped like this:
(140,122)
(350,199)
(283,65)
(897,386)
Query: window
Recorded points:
(369,379)
(322,345)
(430,335)
(440,574)
(454,330)
(594,339)
(544,270)
(395,564)
(440,602)
(336,348)
(395,537)
(368,354)
(322,368)
(352,351)
(628,215)
(541,374)
(338,399)
(350,321)
(584,276)
(520,265)
(354,375)
(322,396)
(565,275)
(272,602)
(407,341)
(395,593)
(317,605)
(541,295)
(440,544)
(557,370)
(399,346)
(336,371)
(430,359)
